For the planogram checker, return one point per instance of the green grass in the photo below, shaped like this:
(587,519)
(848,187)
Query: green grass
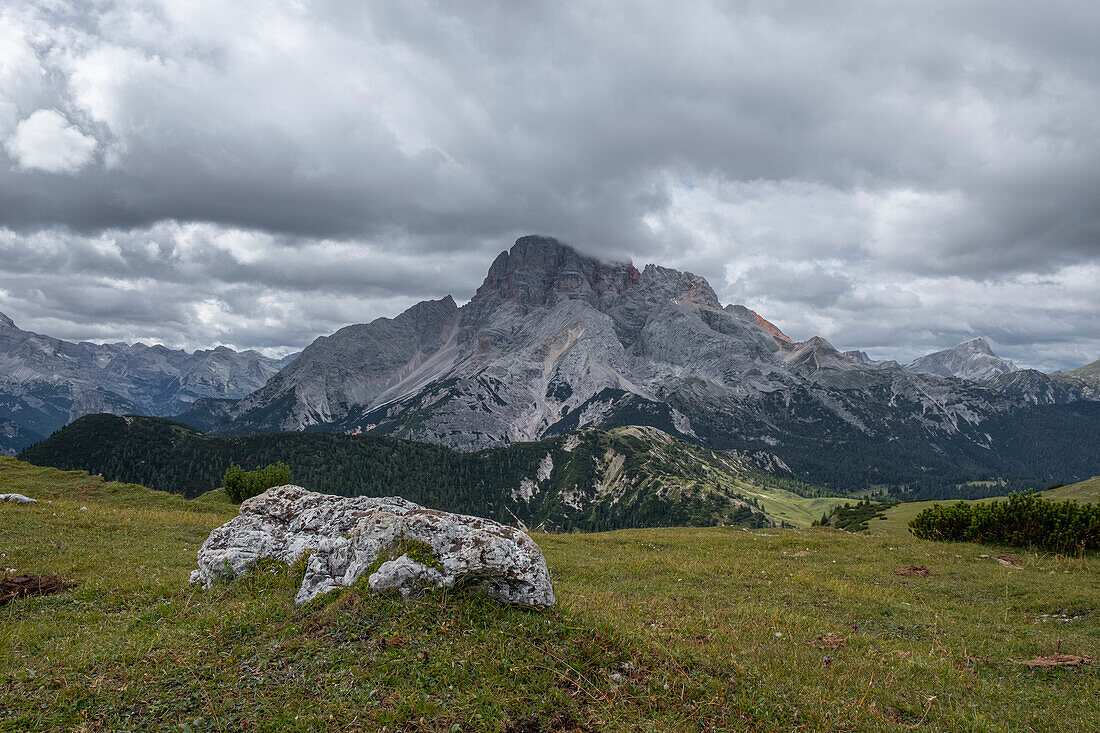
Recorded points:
(655,630)
(798,510)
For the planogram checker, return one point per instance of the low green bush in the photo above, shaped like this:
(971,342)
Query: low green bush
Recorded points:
(1025,520)
(241,484)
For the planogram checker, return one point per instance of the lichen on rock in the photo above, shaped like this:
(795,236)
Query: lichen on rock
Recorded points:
(394,543)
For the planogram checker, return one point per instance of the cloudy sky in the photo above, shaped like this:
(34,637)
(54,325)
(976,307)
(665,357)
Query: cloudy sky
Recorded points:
(896,177)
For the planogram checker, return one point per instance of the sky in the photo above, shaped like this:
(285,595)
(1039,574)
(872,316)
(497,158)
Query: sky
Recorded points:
(895,177)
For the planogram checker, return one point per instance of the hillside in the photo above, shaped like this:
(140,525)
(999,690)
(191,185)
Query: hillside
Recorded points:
(1082,491)
(1088,374)
(658,630)
(590,480)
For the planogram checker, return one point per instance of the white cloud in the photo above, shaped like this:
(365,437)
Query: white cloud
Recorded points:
(46,141)
(890,177)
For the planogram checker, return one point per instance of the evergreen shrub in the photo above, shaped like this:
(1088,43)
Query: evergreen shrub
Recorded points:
(1024,520)
(241,484)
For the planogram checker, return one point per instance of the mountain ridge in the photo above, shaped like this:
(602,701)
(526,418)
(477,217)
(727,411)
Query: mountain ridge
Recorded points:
(554,341)
(46,382)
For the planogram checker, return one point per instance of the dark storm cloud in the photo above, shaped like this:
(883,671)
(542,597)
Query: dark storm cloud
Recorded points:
(221,169)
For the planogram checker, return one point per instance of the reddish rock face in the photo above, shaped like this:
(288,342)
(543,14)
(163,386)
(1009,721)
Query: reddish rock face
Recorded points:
(771,328)
(631,277)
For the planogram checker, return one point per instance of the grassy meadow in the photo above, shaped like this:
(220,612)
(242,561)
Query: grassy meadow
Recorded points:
(655,630)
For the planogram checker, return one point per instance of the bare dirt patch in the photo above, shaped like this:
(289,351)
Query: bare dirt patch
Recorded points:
(1053,660)
(918,571)
(829,641)
(1010,561)
(30,585)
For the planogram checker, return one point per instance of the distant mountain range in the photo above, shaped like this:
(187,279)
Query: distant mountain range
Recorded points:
(554,341)
(46,382)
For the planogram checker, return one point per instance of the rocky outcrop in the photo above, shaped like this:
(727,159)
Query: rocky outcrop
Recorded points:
(394,543)
(17,498)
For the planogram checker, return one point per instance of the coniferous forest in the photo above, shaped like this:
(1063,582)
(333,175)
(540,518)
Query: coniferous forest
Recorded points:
(591,480)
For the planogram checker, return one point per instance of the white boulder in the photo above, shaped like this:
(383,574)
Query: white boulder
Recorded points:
(404,546)
(17,498)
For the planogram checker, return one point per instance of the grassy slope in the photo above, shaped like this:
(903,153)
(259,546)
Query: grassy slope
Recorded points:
(1087,491)
(897,518)
(717,623)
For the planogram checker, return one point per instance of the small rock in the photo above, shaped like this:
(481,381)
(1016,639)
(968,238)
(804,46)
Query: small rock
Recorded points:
(404,575)
(17,498)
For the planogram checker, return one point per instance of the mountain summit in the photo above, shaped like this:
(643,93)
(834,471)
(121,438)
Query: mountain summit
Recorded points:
(972,359)
(554,340)
(546,333)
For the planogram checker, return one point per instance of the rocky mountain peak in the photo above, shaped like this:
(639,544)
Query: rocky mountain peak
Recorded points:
(6,322)
(539,271)
(976,345)
(973,359)
(444,307)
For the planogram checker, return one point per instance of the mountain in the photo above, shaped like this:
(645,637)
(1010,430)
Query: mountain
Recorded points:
(547,332)
(972,359)
(589,480)
(46,382)
(554,341)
